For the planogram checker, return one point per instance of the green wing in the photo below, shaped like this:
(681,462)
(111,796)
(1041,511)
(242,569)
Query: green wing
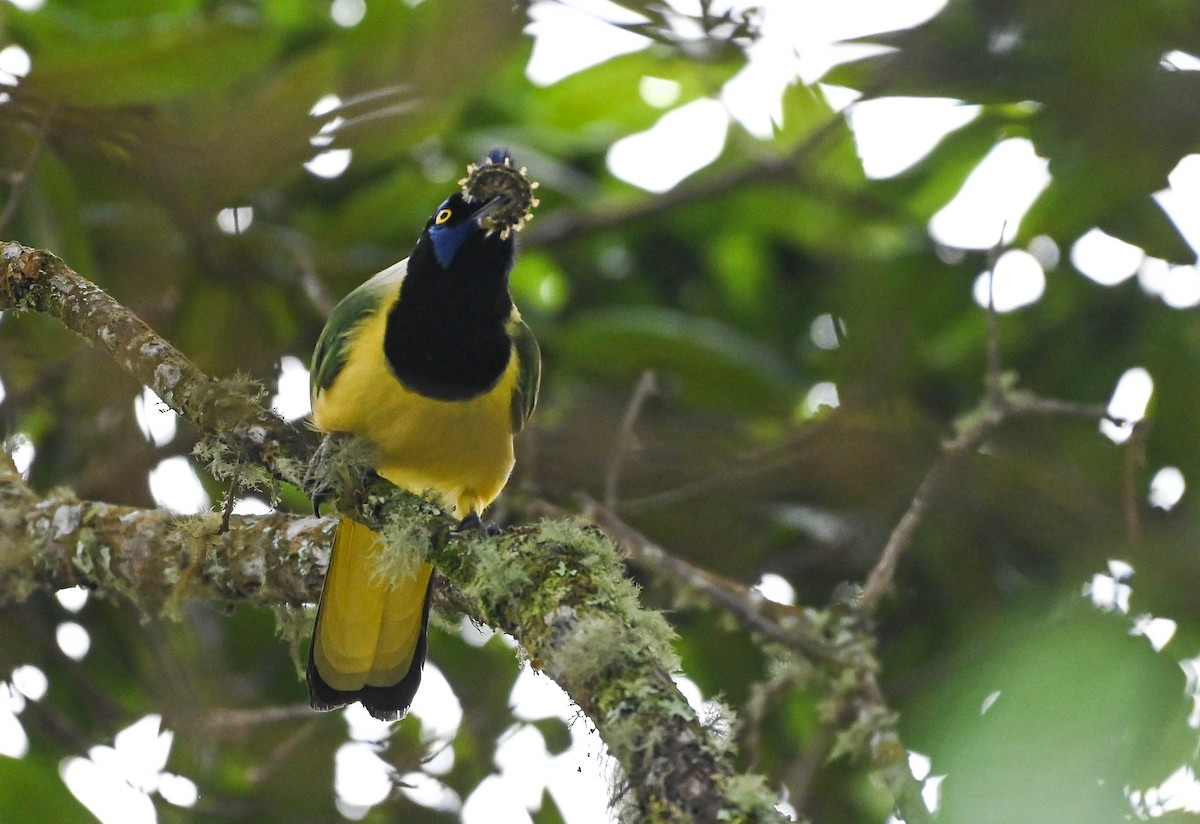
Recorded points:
(529,376)
(329,356)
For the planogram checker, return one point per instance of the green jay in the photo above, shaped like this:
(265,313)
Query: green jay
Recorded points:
(430,363)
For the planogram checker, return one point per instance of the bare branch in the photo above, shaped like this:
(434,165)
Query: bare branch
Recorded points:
(565,225)
(968,438)
(994,410)
(32,279)
(152,556)
(1135,457)
(625,438)
(22,179)
(785,625)
(994,376)
(756,465)
(1026,403)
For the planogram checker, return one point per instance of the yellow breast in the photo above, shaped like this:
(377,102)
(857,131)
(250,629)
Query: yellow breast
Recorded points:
(461,450)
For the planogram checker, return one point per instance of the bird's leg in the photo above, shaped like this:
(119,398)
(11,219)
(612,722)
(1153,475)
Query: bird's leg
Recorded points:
(473,523)
(316,483)
(334,469)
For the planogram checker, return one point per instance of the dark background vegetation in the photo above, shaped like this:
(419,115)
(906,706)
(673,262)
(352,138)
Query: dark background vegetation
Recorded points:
(144,119)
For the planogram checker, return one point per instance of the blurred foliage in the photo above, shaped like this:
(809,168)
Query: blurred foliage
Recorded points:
(145,119)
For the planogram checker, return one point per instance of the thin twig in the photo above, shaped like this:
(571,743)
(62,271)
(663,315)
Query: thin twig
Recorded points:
(625,439)
(283,754)
(565,225)
(750,466)
(314,288)
(1026,403)
(805,768)
(33,279)
(889,756)
(22,179)
(994,411)
(969,437)
(227,508)
(1135,456)
(764,697)
(994,377)
(790,627)
(296,245)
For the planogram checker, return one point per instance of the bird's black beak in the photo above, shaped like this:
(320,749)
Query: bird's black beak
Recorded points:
(487,208)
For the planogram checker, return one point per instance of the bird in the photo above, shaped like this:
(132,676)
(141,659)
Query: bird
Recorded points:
(430,363)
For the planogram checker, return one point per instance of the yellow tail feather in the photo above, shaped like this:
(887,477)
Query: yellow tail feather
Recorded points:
(370,631)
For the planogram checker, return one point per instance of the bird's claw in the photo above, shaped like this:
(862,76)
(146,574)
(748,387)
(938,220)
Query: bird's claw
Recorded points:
(316,475)
(473,523)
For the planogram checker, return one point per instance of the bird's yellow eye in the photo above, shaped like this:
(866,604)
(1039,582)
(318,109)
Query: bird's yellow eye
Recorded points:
(442,217)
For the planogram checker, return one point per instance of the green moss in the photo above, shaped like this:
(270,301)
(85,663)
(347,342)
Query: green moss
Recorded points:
(194,530)
(496,577)
(341,463)
(405,546)
(242,385)
(294,625)
(658,636)
(224,463)
(93,557)
(595,644)
(18,589)
(871,724)
(595,569)
(82,559)
(752,800)
(578,533)
(631,740)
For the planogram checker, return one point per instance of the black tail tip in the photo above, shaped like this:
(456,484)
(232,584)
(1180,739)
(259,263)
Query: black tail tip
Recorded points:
(384,703)
(382,713)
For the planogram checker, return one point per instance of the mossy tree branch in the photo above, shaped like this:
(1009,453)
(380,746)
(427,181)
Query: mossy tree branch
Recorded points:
(834,645)
(151,556)
(557,587)
(35,280)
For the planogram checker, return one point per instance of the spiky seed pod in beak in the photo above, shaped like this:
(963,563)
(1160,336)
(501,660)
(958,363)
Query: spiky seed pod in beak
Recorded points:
(497,176)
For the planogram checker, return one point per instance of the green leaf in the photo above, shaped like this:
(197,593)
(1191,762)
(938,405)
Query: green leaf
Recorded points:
(571,103)
(555,733)
(1051,719)
(33,792)
(215,153)
(154,65)
(424,62)
(714,364)
(933,181)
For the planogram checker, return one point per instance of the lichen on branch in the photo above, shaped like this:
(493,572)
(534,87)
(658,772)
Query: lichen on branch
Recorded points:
(35,280)
(153,557)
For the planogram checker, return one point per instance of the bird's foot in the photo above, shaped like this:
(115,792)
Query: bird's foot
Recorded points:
(316,480)
(339,465)
(473,523)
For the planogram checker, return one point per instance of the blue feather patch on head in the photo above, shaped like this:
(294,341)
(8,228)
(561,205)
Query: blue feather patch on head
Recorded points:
(448,239)
(499,156)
